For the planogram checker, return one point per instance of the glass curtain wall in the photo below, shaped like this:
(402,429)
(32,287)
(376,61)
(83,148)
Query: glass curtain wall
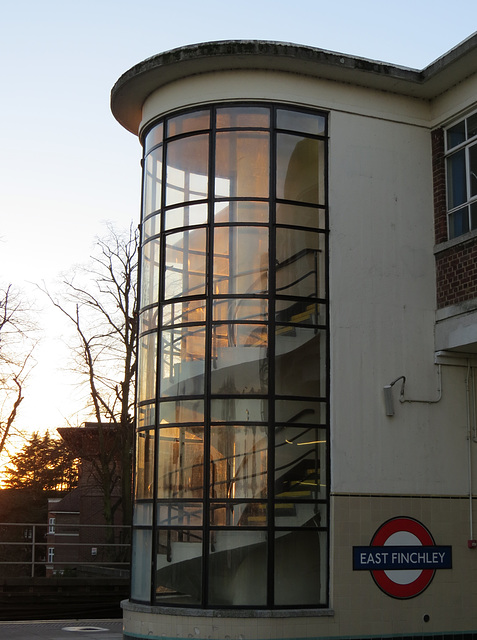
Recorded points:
(231,478)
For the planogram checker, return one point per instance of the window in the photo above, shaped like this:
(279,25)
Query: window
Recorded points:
(51,526)
(231,475)
(51,554)
(461,168)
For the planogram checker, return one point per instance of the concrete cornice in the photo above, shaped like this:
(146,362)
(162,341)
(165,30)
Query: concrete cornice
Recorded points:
(134,86)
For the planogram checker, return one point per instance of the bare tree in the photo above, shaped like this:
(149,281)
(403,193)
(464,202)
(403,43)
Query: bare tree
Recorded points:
(17,342)
(100,300)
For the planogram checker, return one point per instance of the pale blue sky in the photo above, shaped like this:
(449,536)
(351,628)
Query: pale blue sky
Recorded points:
(66,166)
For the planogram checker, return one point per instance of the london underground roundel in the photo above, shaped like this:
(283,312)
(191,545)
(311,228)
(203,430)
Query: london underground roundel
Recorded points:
(402,557)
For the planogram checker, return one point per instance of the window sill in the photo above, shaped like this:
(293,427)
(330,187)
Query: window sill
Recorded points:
(448,244)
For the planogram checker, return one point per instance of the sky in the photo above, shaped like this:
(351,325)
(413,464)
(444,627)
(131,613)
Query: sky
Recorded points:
(67,167)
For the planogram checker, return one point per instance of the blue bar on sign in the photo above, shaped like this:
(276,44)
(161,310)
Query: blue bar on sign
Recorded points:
(400,558)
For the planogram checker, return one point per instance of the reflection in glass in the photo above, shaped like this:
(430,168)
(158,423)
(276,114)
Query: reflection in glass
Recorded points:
(179,566)
(187,169)
(180,468)
(300,263)
(289,513)
(456,179)
(179,513)
(241,211)
(183,312)
(144,475)
(238,457)
(300,312)
(238,514)
(153,182)
(182,361)
(300,412)
(188,122)
(146,415)
(151,227)
(300,358)
(142,514)
(189,216)
(239,410)
(148,319)
(239,359)
(238,568)
(299,553)
(299,121)
(242,164)
(300,174)
(181,411)
(300,465)
(473,170)
(185,263)
(230,117)
(240,260)
(255,309)
(150,272)
(147,361)
(153,137)
(141,565)
(300,216)
(456,134)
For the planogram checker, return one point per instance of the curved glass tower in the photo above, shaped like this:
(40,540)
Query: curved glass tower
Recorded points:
(231,498)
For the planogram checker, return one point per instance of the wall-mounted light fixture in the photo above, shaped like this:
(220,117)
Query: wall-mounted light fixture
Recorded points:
(388,395)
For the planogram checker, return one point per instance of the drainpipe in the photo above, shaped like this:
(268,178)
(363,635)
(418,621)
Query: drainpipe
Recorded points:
(471,543)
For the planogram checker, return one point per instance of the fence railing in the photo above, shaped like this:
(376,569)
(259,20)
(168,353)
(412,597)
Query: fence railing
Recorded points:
(66,549)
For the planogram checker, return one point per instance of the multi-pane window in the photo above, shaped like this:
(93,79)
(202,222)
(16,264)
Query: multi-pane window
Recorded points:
(461,165)
(231,478)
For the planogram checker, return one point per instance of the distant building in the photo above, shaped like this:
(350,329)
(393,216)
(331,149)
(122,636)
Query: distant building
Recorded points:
(76,534)
(306,402)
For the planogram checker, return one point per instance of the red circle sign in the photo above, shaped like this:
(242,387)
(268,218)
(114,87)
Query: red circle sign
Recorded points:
(407,583)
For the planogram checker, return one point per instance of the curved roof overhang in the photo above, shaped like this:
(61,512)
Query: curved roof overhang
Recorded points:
(133,87)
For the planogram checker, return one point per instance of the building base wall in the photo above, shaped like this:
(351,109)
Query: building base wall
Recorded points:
(359,608)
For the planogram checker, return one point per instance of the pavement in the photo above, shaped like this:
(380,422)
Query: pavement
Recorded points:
(62,630)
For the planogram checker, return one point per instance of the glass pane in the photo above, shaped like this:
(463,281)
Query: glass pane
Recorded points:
(300,169)
(186,216)
(298,121)
(172,514)
(241,309)
(300,466)
(473,215)
(241,212)
(240,260)
(185,263)
(182,411)
(179,567)
(300,361)
(144,464)
(239,410)
(182,361)
(300,554)
(300,263)
(301,312)
(188,122)
(154,137)
(300,216)
(473,170)
(238,457)
(141,565)
(472,126)
(311,514)
(300,412)
(238,568)
(151,227)
(146,415)
(146,370)
(148,320)
(456,179)
(142,514)
(151,252)
(239,359)
(456,134)
(243,117)
(187,169)
(459,222)
(180,467)
(243,514)
(184,312)
(242,164)
(153,182)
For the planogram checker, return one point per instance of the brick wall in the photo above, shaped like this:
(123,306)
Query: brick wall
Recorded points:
(456,267)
